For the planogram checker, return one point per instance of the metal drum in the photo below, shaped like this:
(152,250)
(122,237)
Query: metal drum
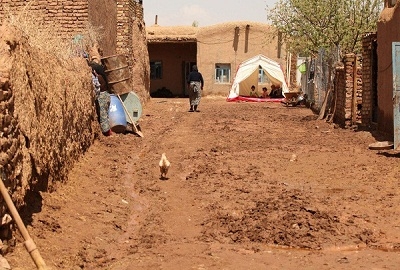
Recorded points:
(117,72)
(132,105)
(116,115)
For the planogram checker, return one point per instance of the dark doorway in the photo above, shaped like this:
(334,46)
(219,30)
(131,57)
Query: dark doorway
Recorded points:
(187,67)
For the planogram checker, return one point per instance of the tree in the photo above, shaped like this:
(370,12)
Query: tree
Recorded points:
(308,25)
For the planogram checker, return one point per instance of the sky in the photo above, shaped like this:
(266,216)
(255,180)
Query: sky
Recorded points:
(205,12)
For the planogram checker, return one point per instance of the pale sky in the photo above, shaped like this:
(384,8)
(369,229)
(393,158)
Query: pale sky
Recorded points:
(205,12)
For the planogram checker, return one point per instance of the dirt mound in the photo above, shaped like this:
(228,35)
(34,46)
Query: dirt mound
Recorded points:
(289,219)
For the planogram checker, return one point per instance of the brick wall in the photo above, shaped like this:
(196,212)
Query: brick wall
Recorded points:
(369,74)
(71,17)
(340,96)
(68,17)
(348,92)
(129,12)
(121,22)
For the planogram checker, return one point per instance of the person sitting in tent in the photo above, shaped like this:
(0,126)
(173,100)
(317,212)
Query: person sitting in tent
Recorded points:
(265,92)
(276,91)
(253,92)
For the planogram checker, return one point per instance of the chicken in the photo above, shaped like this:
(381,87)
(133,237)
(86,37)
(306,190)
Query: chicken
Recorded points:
(164,166)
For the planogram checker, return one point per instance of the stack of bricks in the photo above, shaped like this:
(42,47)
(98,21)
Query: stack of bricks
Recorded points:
(359,90)
(349,92)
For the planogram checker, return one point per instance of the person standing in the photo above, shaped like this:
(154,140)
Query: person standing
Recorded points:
(195,84)
(103,97)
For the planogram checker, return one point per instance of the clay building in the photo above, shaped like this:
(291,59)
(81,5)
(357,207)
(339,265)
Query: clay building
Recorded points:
(217,51)
(388,99)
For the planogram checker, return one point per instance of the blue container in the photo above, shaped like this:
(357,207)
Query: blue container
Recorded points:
(116,115)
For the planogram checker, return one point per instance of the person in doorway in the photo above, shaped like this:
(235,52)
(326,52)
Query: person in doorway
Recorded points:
(253,92)
(102,96)
(195,84)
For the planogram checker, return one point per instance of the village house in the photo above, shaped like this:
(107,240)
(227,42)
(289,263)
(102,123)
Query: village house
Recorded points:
(217,50)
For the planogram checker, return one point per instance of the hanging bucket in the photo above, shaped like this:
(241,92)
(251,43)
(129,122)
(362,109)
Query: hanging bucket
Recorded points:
(303,68)
(117,72)
(116,115)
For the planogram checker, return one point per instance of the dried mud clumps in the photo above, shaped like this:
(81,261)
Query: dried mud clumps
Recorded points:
(288,220)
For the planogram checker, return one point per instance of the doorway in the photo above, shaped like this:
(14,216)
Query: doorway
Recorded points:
(187,68)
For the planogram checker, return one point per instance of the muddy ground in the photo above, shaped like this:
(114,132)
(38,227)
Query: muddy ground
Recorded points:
(251,186)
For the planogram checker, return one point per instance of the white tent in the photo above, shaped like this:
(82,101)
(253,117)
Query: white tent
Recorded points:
(247,75)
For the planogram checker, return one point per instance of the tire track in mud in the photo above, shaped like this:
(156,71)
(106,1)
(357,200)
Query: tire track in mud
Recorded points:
(170,214)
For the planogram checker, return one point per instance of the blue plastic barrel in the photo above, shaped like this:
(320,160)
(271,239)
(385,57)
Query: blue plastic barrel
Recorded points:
(116,115)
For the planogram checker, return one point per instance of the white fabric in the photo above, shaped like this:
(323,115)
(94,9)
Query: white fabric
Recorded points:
(247,75)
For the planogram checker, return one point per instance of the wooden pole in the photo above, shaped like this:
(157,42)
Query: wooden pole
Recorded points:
(29,244)
(327,94)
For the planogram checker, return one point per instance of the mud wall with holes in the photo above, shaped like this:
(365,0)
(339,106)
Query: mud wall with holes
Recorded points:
(47,117)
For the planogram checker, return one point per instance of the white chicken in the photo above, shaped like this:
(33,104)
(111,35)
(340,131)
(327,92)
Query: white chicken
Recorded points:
(164,166)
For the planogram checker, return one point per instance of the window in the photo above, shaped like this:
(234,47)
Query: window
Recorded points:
(155,70)
(262,76)
(222,73)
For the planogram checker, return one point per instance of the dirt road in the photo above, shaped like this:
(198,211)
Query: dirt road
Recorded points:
(251,186)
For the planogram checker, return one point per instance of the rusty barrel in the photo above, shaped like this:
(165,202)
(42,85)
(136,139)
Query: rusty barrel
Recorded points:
(117,72)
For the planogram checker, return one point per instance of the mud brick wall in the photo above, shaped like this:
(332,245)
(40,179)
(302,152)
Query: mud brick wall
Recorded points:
(132,42)
(340,96)
(128,12)
(122,22)
(368,75)
(47,116)
(71,17)
(349,92)
(68,17)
